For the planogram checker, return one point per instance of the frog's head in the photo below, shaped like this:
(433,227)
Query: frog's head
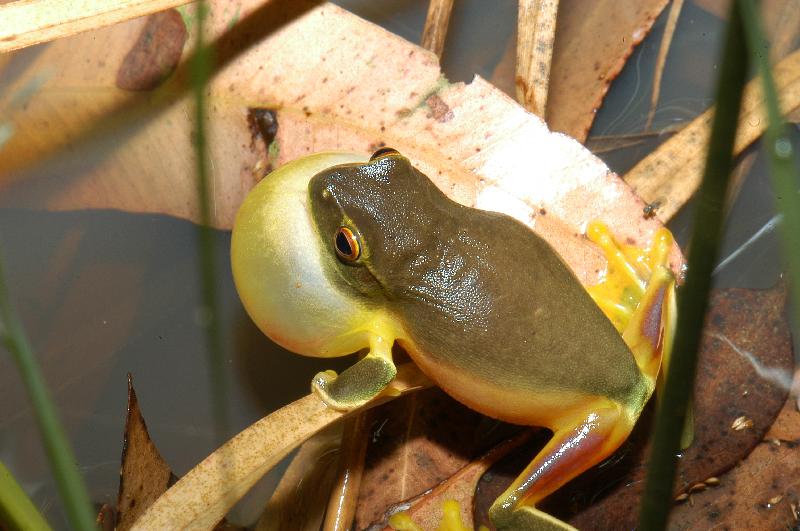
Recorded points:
(287,272)
(376,217)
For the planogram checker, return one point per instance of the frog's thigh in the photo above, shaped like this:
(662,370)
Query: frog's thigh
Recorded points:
(360,383)
(575,447)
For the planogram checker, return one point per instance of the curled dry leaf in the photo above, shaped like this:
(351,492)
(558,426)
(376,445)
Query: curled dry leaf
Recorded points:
(207,492)
(670,175)
(328,80)
(144,475)
(309,478)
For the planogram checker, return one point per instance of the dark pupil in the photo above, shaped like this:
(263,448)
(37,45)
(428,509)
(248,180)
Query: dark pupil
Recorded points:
(343,244)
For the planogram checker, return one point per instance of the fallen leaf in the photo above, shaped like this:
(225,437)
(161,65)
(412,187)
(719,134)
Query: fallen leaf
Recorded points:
(671,174)
(426,510)
(144,475)
(593,42)
(758,494)
(474,142)
(417,443)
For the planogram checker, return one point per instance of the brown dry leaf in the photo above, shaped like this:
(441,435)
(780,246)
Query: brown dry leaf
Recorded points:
(746,344)
(324,78)
(670,175)
(417,443)
(426,510)
(144,475)
(758,494)
(593,41)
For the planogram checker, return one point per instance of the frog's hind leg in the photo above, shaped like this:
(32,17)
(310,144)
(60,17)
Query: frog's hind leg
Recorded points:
(577,444)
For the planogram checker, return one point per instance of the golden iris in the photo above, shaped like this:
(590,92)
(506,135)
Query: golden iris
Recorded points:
(347,244)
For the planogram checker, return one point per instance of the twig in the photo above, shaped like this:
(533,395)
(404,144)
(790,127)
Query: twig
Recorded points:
(28,22)
(436,23)
(536,32)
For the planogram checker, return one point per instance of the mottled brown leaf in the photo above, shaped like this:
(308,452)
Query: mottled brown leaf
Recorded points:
(762,492)
(426,510)
(144,474)
(417,442)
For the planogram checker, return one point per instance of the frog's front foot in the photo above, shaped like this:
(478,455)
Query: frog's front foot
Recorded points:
(356,385)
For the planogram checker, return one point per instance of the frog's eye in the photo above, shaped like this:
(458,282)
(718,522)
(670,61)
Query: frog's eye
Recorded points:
(383,151)
(348,245)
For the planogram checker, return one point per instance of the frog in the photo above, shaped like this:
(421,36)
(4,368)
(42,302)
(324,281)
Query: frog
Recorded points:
(342,253)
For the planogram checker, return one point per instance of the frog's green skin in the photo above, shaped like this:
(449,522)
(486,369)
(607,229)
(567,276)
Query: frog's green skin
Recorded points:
(483,305)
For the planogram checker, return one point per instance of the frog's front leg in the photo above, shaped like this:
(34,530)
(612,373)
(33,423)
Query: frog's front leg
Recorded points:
(578,444)
(362,382)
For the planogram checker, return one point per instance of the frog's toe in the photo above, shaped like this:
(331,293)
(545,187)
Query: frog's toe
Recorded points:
(356,385)
(526,518)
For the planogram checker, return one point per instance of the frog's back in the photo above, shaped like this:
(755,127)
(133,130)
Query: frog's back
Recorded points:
(501,323)
(497,319)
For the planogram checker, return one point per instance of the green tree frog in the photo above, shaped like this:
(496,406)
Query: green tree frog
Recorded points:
(334,254)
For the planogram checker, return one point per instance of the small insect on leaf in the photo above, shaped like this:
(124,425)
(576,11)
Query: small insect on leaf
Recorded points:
(741,423)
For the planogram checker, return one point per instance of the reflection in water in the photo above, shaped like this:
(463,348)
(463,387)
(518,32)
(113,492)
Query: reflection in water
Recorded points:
(105,293)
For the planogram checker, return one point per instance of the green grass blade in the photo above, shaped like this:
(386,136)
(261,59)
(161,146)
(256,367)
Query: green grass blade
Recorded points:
(17,511)
(781,157)
(62,459)
(693,297)
(201,71)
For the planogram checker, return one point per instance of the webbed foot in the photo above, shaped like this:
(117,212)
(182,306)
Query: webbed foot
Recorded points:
(356,385)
